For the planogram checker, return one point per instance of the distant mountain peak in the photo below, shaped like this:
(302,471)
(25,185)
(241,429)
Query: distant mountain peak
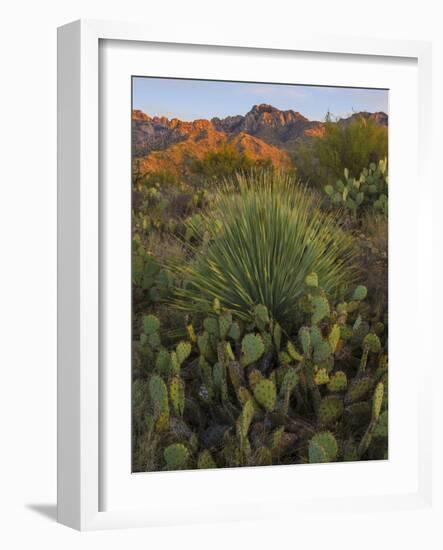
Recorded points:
(264,122)
(263,108)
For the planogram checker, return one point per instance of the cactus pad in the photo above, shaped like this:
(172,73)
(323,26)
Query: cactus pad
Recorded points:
(311,280)
(358,389)
(345,332)
(243,395)
(255,376)
(175,365)
(294,354)
(266,394)
(338,382)
(224,322)
(377,401)
(261,315)
(183,351)
(360,293)
(267,342)
(203,344)
(246,417)
(210,324)
(305,340)
(323,448)
(284,358)
(205,461)
(159,394)
(277,336)
(162,423)
(154,340)
(263,457)
(216,306)
(290,380)
(320,309)
(235,331)
(176,456)
(252,349)
(334,337)
(316,335)
(162,362)
(372,342)
(322,350)
(150,324)
(235,374)
(177,395)
(330,409)
(381,428)
(321,377)
(191,333)
(276,437)
(317,453)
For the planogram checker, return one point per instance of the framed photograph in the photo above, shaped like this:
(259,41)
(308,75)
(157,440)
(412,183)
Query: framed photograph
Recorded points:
(239,225)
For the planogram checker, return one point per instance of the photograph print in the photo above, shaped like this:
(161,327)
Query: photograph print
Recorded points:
(259,274)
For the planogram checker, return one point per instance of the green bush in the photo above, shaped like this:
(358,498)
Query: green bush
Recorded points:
(353,145)
(270,233)
(223,163)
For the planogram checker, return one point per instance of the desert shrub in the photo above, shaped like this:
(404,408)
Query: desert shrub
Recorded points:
(224,162)
(236,394)
(270,233)
(157,179)
(353,145)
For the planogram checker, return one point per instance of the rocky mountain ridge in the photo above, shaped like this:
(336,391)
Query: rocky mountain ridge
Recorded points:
(265,132)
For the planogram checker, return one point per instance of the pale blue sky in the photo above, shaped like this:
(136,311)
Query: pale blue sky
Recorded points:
(192,99)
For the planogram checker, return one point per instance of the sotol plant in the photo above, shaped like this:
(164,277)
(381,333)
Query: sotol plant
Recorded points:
(271,234)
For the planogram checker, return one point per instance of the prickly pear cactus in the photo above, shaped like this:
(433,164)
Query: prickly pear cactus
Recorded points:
(358,389)
(183,351)
(330,410)
(377,401)
(176,456)
(255,376)
(163,362)
(338,382)
(252,349)
(360,293)
(225,323)
(311,280)
(367,192)
(246,417)
(205,461)
(211,326)
(266,394)
(372,342)
(159,394)
(322,350)
(334,337)
(151,324)
(204,345)
(305,340)
(259,394)
(321,309)
(261,315)
(323,448)
(321,377)
(293,353)
(177,395)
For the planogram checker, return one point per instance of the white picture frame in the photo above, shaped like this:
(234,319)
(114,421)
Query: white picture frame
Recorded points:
(80,413)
